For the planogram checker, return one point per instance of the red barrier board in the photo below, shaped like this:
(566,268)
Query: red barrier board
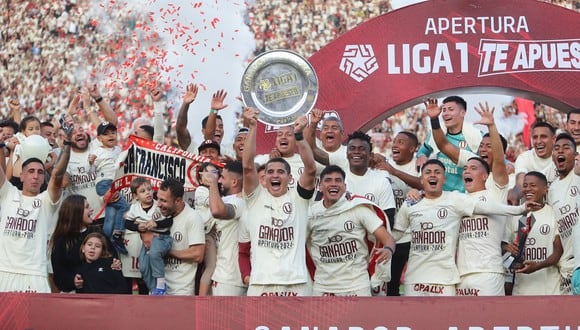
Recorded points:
(68,311)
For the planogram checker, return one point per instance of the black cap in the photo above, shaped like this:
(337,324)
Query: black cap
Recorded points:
(208,144)
(242,130)
(104,126)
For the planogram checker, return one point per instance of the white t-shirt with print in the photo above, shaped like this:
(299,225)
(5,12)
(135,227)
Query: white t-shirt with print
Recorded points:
(133,243)
(480,236)
(563,196)
(276,230)
(528,161)
(227,268)
(539,246)
(187,230)
(27,223)
(106,162)
(81,180)
(374,185)
(434,225)
(401,189)
(336,242)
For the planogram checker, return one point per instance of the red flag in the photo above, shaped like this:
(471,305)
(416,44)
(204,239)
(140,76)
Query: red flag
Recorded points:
(527,107)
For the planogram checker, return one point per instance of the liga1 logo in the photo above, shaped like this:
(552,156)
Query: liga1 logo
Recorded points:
(496,56)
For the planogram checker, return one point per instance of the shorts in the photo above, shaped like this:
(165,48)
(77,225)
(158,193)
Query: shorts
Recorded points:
(481,284)
(575,284)
(353,293)
(288,290)
(225,289)
(429,290)
(13,282)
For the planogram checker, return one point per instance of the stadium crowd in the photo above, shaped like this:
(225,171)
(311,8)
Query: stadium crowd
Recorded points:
(254,211)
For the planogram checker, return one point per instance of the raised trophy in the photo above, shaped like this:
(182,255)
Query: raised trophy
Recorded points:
(282,85)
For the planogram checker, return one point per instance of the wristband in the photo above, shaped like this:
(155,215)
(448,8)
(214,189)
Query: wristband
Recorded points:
(66,143)
(2,145)
(390,249)
(213,111)
(435,123)
(99,99)
(299,136)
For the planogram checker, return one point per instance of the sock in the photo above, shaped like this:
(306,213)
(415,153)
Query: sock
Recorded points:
(161,283)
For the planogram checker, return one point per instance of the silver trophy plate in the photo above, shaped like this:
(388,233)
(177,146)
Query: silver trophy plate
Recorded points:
(282,85)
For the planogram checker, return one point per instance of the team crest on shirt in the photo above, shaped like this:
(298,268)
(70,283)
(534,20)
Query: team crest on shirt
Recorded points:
(442,213)
(348,226)
(462,144)
(545,229)
(335,239)
(370,197)
(177,236)
(300,170)
(574,191)
(287,207)
(36,203)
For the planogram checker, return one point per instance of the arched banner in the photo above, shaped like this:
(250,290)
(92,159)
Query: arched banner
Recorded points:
(443,47)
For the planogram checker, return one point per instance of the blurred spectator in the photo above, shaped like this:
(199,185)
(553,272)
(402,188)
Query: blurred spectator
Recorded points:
(48,49)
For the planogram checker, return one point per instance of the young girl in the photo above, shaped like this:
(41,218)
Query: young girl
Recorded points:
(201,204)
(95,274)
(74,218)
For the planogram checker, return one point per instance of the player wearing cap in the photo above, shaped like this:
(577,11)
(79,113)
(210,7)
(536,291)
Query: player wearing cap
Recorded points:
(274,228)
(209,149)
(104,163)
(27,219)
